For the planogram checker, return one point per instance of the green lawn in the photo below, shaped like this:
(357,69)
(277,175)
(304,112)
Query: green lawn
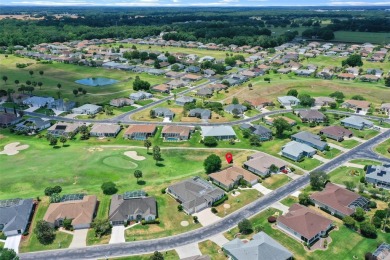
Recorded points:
(211,249)
(364,134)
(362,37)
(365,162)
(349,144)
(290,200)
(93,240)
(343,173)
(275,181)
(332,153)
(168,255)
(236,202)
(383,148)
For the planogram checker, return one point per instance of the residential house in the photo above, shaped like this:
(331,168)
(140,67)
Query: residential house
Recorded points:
(35,101)
(338,201)
(357,105)
(191,77)
(140,132)
(8,119)
(132,206)
(181,101)
(288,101)
(79,208)
(192,69)
(323,101)
(140,95)
(260,247)
(259,103)
(304,224)
(195,194)
(204,92)
(88,109)
(336,132)
(369,78)
(162,88)
(219,132)
(200,113)
(164,112)
(176,133)
(310,139)
(311,115)
(263,133)
(384,107)
(105,130)
(120,102)
(176,83)
(230,177)
(263,164)
(237,108)
(15,215)
(33,125)
(296,151)
(346,76)
(64,129)
(174,74)
(356,122)
(379,175)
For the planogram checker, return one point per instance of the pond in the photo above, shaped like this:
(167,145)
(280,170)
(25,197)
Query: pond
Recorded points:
(96,82)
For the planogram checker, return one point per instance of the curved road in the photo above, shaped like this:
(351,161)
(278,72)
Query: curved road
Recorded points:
(140,247)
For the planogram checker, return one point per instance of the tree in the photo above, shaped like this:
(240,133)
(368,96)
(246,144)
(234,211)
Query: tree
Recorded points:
(139,84)
(59,86)
(75,92)
(387,82)
(254,140)
(5,78)
(318,180)
(306,100)
(8,254)
(245,226)
(349,222)
(304,198)
(368,230)
(31,73)
(67,224)
(63,140)
(212,163)
(358,97)
(354,60)
(235,101)
(235,112)
(281,125)
(147,144)
(157,256)
(210,141)
(137,174)
(171,59)
(250,85)
(101,227)
(40,85)
(156,156)
(338,95)
(175,67)
(41,73)
(292,92)
(55,198)
(17,82)
(45,232)
(156,64)
(359,214)
(350,185)
(152,113)
(109,188)
(53,141)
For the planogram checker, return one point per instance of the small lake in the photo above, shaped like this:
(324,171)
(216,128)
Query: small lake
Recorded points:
(96,82)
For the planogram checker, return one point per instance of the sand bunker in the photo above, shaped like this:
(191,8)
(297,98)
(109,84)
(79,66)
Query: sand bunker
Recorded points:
(133,155)
(14,148)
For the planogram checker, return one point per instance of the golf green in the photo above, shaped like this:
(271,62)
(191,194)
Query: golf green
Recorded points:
(119,162)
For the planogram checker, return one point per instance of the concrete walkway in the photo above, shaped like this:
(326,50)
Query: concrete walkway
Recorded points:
(292,175)
(117,235)
(31,109)
(79,238)
(338,147)
(219,239)
(359,166)
(280,206)
(357,139)
(188,250)
(206,217)
(261,188)
(296,193)
(320,158)
(12,242)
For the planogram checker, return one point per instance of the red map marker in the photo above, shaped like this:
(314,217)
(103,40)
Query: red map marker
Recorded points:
(229,157)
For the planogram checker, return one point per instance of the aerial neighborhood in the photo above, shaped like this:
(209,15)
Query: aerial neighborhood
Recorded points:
(168,144)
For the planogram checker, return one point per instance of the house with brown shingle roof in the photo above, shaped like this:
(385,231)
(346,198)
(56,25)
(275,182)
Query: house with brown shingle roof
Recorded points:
(162,88)
(191,77)
(304,224)
(336,132)
(357,105)
(64,129)
(8,119)
(176,133)
(338,200)
(260,164)
(140,132)
(231,176)
(346,76)
(80,211)
(105,130)
(259,102)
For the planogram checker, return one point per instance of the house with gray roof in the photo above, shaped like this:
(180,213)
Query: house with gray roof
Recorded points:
(105,130)
(140,95)
(219,132)
(356,122)
(8,119)
(261,247)
(88,109)
(240,109)
(132,206)
(311,115)
(164,112)
(379,175)
(195,194)
(310,139)
(15,215)
(262,132)
(36,101)
(296,151)
(33,124)
(288,101)
(200,113)
(181,101)
(192,69)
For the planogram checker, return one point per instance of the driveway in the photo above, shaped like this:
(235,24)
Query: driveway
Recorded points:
(31,109)
(206,217)
(219,239)
(338,147)
(79,238)
(280,206)
(355,165)
(261,188)
(12,242)
(188,250)
(117,234)
(320,158)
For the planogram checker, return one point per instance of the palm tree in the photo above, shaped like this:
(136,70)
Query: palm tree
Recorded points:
(5,78)
(31,73)
(137,174)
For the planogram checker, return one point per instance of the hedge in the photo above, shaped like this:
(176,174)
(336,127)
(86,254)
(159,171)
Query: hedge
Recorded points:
(220,201)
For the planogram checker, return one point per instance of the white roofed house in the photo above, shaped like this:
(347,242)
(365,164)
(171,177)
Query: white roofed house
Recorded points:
(357,122)
(288,101)
(219,132)
(88,109)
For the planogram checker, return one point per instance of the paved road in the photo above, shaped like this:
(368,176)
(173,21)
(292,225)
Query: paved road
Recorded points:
(141,247)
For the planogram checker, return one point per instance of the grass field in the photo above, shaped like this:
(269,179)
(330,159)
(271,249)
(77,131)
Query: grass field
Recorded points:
(237,202)
(275,181)
(383,148)
(66,74)
(290,200)
(362,37)
(343,173)
(211,249)
(168,255)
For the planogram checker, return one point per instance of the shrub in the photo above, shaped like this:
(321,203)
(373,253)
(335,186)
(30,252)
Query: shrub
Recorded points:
(179,207)
(220,201)
(368,230)
(164,190)
(271,219)
(67,224)
(109,188)
(195,218)
(372,204)
(245,226)
(214,210)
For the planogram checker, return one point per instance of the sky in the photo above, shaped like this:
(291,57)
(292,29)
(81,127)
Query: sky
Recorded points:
(156,3)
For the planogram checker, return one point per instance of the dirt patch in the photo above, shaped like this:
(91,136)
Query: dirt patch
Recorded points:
(133,155)
(14,148)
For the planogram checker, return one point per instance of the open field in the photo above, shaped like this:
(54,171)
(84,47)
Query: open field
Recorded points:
(362,37)
(66,74)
